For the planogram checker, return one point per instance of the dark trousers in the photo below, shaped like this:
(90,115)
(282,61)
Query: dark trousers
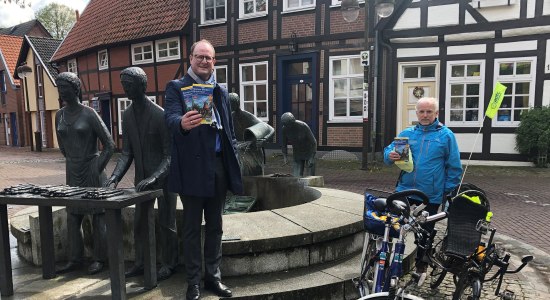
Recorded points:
(167,226)
(429,227)
(76,244)
(193,208)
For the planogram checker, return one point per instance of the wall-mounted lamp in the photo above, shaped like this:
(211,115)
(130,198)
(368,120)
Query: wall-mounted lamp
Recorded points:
(292,44)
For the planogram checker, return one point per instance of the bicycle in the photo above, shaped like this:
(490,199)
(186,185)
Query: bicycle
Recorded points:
(463,254)
(378,279)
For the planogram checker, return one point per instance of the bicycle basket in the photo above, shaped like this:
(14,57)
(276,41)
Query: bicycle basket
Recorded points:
(373,221)
(465,210)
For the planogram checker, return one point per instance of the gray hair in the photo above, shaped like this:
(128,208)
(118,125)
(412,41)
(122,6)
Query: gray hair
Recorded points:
(433,101)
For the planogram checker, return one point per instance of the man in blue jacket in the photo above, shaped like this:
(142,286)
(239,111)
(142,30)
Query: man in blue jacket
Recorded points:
(204,166)
(436,160)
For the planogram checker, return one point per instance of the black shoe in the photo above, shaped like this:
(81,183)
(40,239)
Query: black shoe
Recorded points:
(164,273)
(69,267)
(134,271)
(95,268)
(193,292)
(218,288)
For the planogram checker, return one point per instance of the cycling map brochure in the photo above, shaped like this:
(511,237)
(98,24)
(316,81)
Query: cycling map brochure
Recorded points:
(199,97)
(402,148)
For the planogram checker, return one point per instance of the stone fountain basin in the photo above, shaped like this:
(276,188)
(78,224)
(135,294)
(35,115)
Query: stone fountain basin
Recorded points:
(321,225)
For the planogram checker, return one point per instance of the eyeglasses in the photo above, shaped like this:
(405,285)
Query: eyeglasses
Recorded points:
(204,57)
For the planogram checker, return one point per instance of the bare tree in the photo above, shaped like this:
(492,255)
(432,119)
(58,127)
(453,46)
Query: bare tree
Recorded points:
(57,18)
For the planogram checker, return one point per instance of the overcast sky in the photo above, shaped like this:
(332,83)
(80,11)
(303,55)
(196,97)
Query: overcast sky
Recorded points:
(12,14)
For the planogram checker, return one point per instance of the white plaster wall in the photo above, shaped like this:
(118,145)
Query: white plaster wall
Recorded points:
(454,50)
(503,143)
(516,46)
(547,58)
(409,19)
(467,142)
(468,19)
(421,39)
(500,13)
(443,15)
(546,8)
(531,8)
(417,52)
(546,93)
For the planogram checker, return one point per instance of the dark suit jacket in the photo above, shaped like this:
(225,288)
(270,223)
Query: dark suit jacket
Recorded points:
(151,149)
(193,152)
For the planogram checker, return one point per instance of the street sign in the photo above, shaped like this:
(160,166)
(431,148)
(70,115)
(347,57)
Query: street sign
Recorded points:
(365,58)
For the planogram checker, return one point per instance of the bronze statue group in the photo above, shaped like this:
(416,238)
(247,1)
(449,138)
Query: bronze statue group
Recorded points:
(173,152)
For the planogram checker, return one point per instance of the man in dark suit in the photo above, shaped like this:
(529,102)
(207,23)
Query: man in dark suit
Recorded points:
(204,166)
(146,141)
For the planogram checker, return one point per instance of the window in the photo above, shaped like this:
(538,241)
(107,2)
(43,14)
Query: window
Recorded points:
(465,92)
(123,104)
(213,11)
(39,81)
(518,75)
(102,60)
(254,89)
(142,53)
(298,4)
(252,8)
(346,88)
(339,2)
(3,88)
(168,49)
(417,72)
(71,66)
(221,76)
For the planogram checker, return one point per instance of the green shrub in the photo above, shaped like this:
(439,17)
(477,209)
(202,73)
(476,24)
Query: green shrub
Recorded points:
(533,135)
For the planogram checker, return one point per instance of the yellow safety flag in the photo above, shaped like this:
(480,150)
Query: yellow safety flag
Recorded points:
(496,100)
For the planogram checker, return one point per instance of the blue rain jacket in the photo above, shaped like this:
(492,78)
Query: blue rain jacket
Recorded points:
(436,158)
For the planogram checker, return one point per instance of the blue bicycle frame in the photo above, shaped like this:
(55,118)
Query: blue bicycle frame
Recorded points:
(383,282)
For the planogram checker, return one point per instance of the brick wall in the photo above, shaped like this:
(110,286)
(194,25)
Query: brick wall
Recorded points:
(301,24)
(339,25)
(250,32)
(345,136)
(217,35)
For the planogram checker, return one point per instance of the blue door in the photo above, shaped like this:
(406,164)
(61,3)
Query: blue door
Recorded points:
(13,120)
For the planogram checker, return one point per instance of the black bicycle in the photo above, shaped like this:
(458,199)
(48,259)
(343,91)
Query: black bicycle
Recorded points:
(463,253)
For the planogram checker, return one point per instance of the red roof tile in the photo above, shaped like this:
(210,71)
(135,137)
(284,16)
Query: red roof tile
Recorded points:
(10,46)
(106,22)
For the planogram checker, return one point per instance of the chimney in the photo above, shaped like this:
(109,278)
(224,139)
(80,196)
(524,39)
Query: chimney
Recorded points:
(77,14)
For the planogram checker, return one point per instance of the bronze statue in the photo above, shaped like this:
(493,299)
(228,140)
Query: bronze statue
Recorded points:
(304,145)
(78,129)
(146,141)
(251,134)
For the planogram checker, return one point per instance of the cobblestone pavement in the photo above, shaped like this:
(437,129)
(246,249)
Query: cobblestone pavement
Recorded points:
(519,198)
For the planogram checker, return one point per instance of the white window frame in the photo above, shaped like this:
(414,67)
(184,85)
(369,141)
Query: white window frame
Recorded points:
(167,42)
(465,80)
(219,68)
(255,83)
(72,66)
(143,60)
(347,118)
(299,7)
(513,79)
(216,20)
(254,14)
(102,60)
(127,102)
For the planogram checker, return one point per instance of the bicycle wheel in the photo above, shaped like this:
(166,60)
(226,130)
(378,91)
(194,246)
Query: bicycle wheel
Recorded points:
(384,296)
(467,289)
(438,260)
(368,257)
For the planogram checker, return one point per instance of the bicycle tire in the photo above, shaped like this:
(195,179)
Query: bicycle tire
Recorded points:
(384,296)
(438,273)
(467,289)
(367,269)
